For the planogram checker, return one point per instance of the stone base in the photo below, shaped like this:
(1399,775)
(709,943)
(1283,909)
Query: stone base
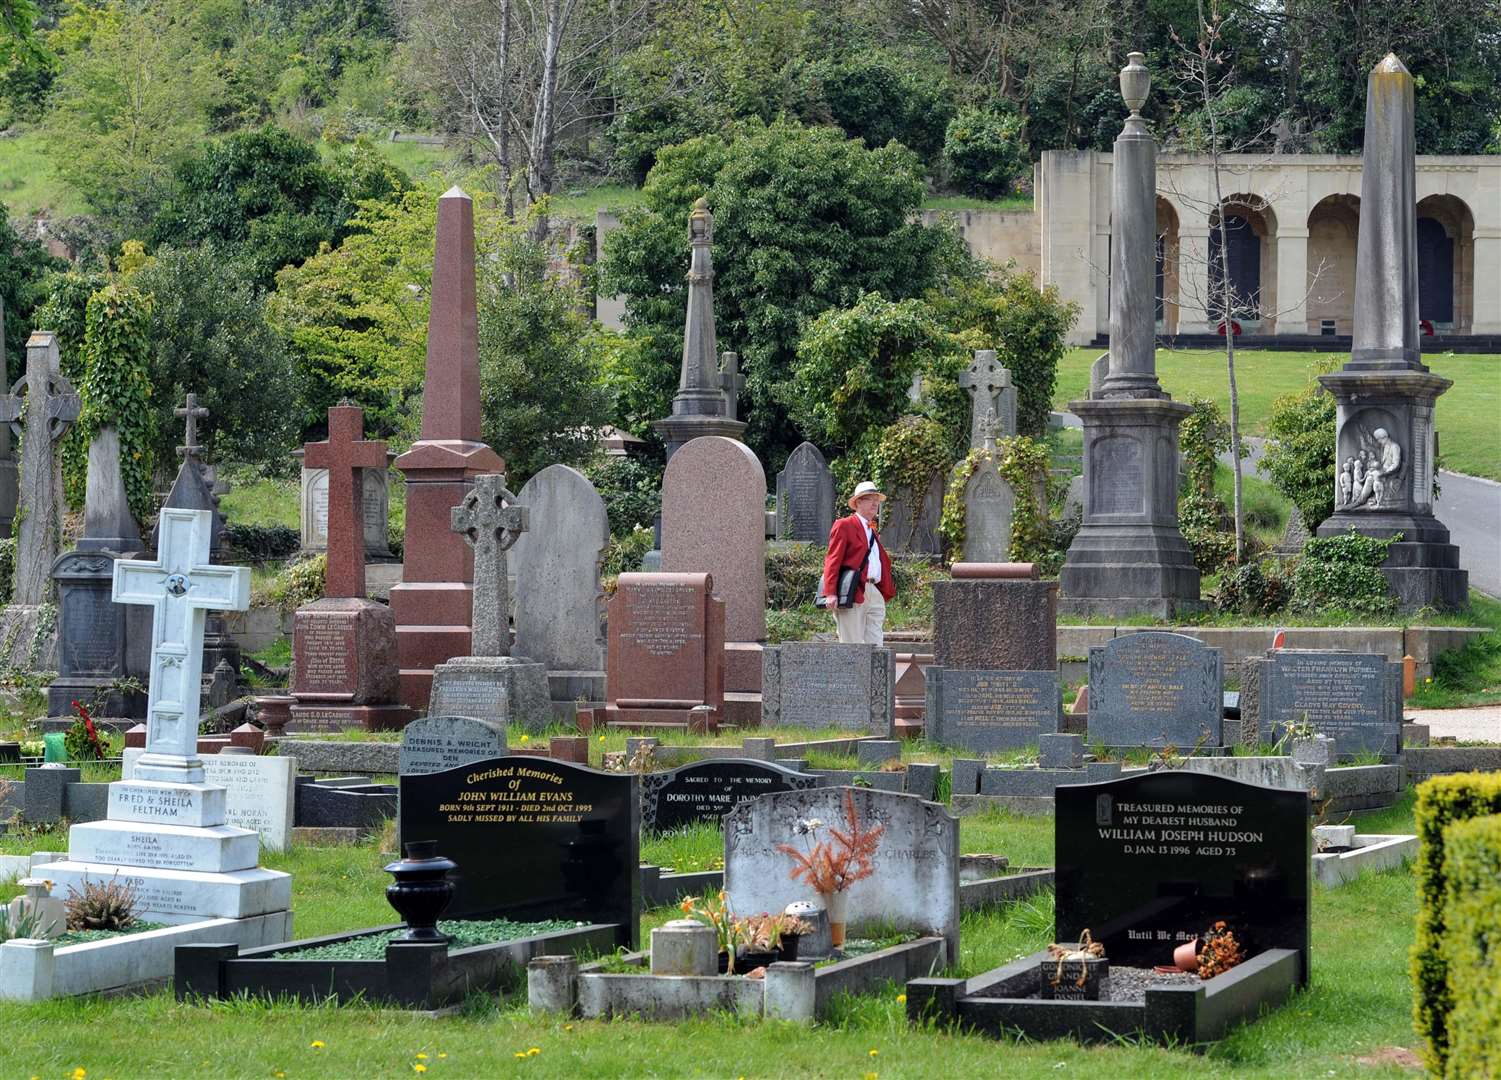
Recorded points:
(181,896)
(98,694)
(742,666)
(653,719)
(1123,570)
(344,652)
(312,718)
(502,689)
(155,802)
(215,849)
(742,710)
(571,686)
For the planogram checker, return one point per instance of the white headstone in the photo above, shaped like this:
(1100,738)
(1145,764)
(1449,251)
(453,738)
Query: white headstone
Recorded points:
(258,792)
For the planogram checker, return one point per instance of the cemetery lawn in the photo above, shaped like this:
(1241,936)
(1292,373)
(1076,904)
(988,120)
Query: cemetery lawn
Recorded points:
(1355,1020)
(1469,440)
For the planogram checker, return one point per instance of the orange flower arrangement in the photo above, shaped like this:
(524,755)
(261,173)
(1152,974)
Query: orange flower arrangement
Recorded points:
(1221,951)
(833,866)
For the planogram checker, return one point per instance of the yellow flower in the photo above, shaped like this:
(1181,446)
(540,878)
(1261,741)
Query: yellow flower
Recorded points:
(79,1074)
(870,1076)
(901,999)
(873,1053)
(441,1055)
(519,1055)
(567,1027)
(421,1057)
(533,1052)
(526,738)
(419,1067)
(316,1044)
(279,1075)
(601,738)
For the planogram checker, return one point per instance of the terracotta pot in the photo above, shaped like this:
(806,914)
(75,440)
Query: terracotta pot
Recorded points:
(1186,956)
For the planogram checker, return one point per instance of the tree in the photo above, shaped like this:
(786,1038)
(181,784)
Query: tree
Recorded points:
(117,389)
(1300,453)
(24,270)
(804,220)
(984,152)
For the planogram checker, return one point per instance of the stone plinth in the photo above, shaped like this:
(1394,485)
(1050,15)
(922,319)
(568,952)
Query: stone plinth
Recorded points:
(822,684)
(995,624)
(1128,556)
(666,650)
(500,689)
(344,665)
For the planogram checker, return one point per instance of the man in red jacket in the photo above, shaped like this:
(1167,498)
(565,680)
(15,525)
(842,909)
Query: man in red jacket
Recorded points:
(854,544)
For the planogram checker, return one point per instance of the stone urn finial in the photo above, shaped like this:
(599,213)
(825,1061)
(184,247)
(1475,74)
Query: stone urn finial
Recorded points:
(1136,81)
(700,223)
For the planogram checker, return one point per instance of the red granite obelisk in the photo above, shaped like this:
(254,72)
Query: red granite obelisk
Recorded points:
(344,666)
(432,603)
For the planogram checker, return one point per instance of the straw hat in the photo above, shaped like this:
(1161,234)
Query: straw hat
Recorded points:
(865,487)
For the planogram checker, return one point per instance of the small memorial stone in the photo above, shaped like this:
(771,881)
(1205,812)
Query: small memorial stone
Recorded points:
(437,743)
(708,790)
(985,711)
(823,684)
(1155,689)
(258,791)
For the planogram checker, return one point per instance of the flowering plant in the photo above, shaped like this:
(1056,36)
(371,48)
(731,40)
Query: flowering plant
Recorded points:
(1220,953)
(82,741)
(717,914)
(832,866)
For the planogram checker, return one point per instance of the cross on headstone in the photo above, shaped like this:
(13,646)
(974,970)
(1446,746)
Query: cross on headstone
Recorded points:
(191,413)
(490,521)
(181,587)
(53,408)
(985,379)
(989,427)
(344,454)
(732,381)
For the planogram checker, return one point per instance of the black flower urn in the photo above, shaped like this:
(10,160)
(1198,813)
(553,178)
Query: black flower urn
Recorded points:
(421,890)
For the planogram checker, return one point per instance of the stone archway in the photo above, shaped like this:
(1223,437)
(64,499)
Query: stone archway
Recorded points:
(1446,263)
(1250,261)
(1167,267)
(1333,227)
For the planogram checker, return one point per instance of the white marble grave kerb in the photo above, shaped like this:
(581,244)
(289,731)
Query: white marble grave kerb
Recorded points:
(181,587)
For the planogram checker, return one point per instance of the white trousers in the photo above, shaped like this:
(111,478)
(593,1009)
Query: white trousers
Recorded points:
(863,624)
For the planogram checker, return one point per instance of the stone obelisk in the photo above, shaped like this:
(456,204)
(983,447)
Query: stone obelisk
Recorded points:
(1129,556)
(1385,442)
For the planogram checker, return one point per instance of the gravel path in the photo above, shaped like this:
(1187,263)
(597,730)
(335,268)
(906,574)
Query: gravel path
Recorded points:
(1481,724)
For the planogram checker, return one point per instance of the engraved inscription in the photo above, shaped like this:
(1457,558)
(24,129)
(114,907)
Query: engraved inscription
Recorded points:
(1117,485)
(325,653)
(468,694)
(663,620)
(820,689)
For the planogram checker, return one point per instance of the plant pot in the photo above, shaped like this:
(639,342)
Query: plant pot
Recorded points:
(421,890)
(788,949)
(1186,956)
(749,961)
(837,905)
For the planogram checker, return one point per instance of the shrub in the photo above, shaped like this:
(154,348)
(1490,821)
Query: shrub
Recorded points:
(631,489)
(300,583)
(1441,802)
(1343,572)
(1300,453)
(1252,589)
(1203,518)
(879,96)
(1471,949)
(984,151)
(625,552)
(102,905)
(1023,464)
(792,574)
(259,543)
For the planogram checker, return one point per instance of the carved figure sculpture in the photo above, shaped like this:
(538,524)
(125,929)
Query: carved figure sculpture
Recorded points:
(1345,485)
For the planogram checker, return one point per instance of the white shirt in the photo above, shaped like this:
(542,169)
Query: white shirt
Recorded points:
(873,563)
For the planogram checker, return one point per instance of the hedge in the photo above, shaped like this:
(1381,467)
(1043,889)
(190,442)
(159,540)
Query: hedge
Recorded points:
(1472,946)
(1441,802)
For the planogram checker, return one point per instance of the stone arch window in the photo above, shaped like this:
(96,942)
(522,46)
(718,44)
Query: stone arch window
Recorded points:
(1446,263)
(1167,267)
(1250,260)
(1333,226)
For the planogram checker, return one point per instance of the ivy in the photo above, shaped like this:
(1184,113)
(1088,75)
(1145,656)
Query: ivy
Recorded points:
(1344,572)
(1300,453)
(1203,518)
(1023,463)
(909,454)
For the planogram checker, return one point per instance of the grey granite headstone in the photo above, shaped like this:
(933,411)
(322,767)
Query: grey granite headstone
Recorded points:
(820,684)
(914,529)
(805,496)
(1355,698)
(1060,751)
(46,792)
(984,711)
(490,688)
(559,600)
(989,505)
(1155,689)
(916,881)
(436,743)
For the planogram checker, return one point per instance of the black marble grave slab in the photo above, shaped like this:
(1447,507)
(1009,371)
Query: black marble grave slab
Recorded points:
(534,838)
(708,790)
(1148,862)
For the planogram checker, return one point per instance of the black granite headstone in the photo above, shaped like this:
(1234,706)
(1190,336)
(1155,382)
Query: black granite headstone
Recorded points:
(708,790)
(1148,862)
(534,838)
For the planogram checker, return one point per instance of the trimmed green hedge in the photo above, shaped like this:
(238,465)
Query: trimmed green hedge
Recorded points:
(1472,946)
(1442,801)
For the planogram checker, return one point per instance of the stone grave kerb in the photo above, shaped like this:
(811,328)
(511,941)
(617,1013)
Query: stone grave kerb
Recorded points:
(490,520)
(344,453)
(180,586)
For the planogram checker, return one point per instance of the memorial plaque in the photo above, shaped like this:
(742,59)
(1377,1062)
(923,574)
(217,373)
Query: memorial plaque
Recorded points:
(324,655)
(258,791)
(1155,689)
(1148,862)
(916,881)
(533,839)
(1347,696)
(478,694)
(91,643)
(1117,484)
(992,710)
(708,790)
(822,684)
(658,651)
(437,743)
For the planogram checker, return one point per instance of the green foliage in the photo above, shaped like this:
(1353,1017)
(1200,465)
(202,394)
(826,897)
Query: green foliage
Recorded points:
(1023,463)
(298,584)
(1471,949)
(260,543)
(879,96)
(1300,453)
(984,151)
(631,488)
(210,336)
(25,273)
(1343,572)
(1252,588)
(804,221)
(1203,518)
(855,365)
(462,934)
(116,390)
(625,552)
(1026,325)
(1442,801)
(793,572)
(7,568)
(910,453)
(81,745)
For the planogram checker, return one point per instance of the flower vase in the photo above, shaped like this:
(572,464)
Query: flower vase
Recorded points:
(837,905)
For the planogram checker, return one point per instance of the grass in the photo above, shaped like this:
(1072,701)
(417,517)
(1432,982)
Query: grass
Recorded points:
(1467,676)
(1470,441)
(263,502)
(1354,1018)
(970,202)
(29,184)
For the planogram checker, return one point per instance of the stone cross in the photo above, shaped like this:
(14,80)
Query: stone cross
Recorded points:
(344,454)
(733,382)
(989,427)
(490,521)
(53,407)
(191,412)
(986,380)
(180,587)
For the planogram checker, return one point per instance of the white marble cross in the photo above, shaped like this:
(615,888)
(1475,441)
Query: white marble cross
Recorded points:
(181,587)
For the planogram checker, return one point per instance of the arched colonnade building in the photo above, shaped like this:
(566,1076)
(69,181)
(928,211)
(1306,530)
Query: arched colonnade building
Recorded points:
(1292,222)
